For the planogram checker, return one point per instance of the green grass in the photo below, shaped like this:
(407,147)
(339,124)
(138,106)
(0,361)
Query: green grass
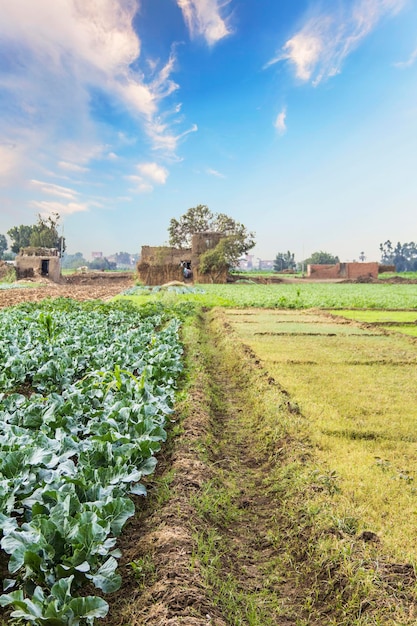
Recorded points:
(294,553)
(357,392)
(377,317)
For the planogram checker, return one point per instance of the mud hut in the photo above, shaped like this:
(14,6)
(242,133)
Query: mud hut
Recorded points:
(163,264)
(37,263)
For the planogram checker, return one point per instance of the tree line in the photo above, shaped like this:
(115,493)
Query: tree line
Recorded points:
(403,255)
(43,234)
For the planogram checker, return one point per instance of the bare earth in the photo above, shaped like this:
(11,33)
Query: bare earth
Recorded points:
(79,287)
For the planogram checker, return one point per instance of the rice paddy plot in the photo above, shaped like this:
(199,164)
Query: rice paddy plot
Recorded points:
(356,392)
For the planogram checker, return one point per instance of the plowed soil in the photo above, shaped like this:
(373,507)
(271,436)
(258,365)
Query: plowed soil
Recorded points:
(97,286)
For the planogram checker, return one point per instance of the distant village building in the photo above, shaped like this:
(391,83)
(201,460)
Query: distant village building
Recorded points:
(163,264)
(349,271)
(38,262)
(96,255)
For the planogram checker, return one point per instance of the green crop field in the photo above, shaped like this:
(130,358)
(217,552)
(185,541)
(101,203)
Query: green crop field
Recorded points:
(84,394)
(287,296)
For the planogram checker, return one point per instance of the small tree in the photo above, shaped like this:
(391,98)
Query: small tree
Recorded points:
(220,258)
(3,245)
(102,264)
(20,236)
(122,258)
(284,261)
(45,234)
(72,261)
(322,258)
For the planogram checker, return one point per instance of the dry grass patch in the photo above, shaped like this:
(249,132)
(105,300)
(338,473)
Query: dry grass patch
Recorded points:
(357,393)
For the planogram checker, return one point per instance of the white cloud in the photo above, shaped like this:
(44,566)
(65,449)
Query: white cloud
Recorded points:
(55,190)
(154,172)
(215,173)
(203,17)
(150,174)
(318,50)
(280,122)
(48,208)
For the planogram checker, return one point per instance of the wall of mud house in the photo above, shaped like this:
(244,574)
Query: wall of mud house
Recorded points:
(349,271)
(164,255)
(38,266)
(362,270)
(161,274)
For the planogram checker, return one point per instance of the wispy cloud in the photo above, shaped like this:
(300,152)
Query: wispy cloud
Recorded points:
(215,173)
(280,122)
(203,18)
(47,208)
(55,190)
(72,167)
(317,51)
(9,160)
(409,62)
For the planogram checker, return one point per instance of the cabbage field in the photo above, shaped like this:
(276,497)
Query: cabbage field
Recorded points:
(85,391)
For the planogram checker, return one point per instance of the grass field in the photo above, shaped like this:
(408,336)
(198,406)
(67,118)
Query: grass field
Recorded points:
(356,389)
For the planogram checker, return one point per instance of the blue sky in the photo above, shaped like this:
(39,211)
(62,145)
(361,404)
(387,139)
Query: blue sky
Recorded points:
(298,119)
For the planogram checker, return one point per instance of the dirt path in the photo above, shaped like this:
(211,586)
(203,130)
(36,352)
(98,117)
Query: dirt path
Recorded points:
(202,545)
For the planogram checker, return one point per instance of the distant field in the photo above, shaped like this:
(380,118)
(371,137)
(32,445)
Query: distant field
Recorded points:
(356,389)
(291,296)
(404,322)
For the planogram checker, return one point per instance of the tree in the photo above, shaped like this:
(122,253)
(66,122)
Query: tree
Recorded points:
(102,264)
(3,245)
(72,261)
(199,220)
(20,236)
(322,258)
(284,261)
(403,256)
(122,258)
(43,234)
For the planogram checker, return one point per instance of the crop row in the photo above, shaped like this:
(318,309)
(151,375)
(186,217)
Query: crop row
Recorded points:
(85,395)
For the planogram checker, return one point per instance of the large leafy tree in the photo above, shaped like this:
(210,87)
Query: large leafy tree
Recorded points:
(200,219)
(43,234)
(284,261)
(322,258)
(3,245)
(403,255)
